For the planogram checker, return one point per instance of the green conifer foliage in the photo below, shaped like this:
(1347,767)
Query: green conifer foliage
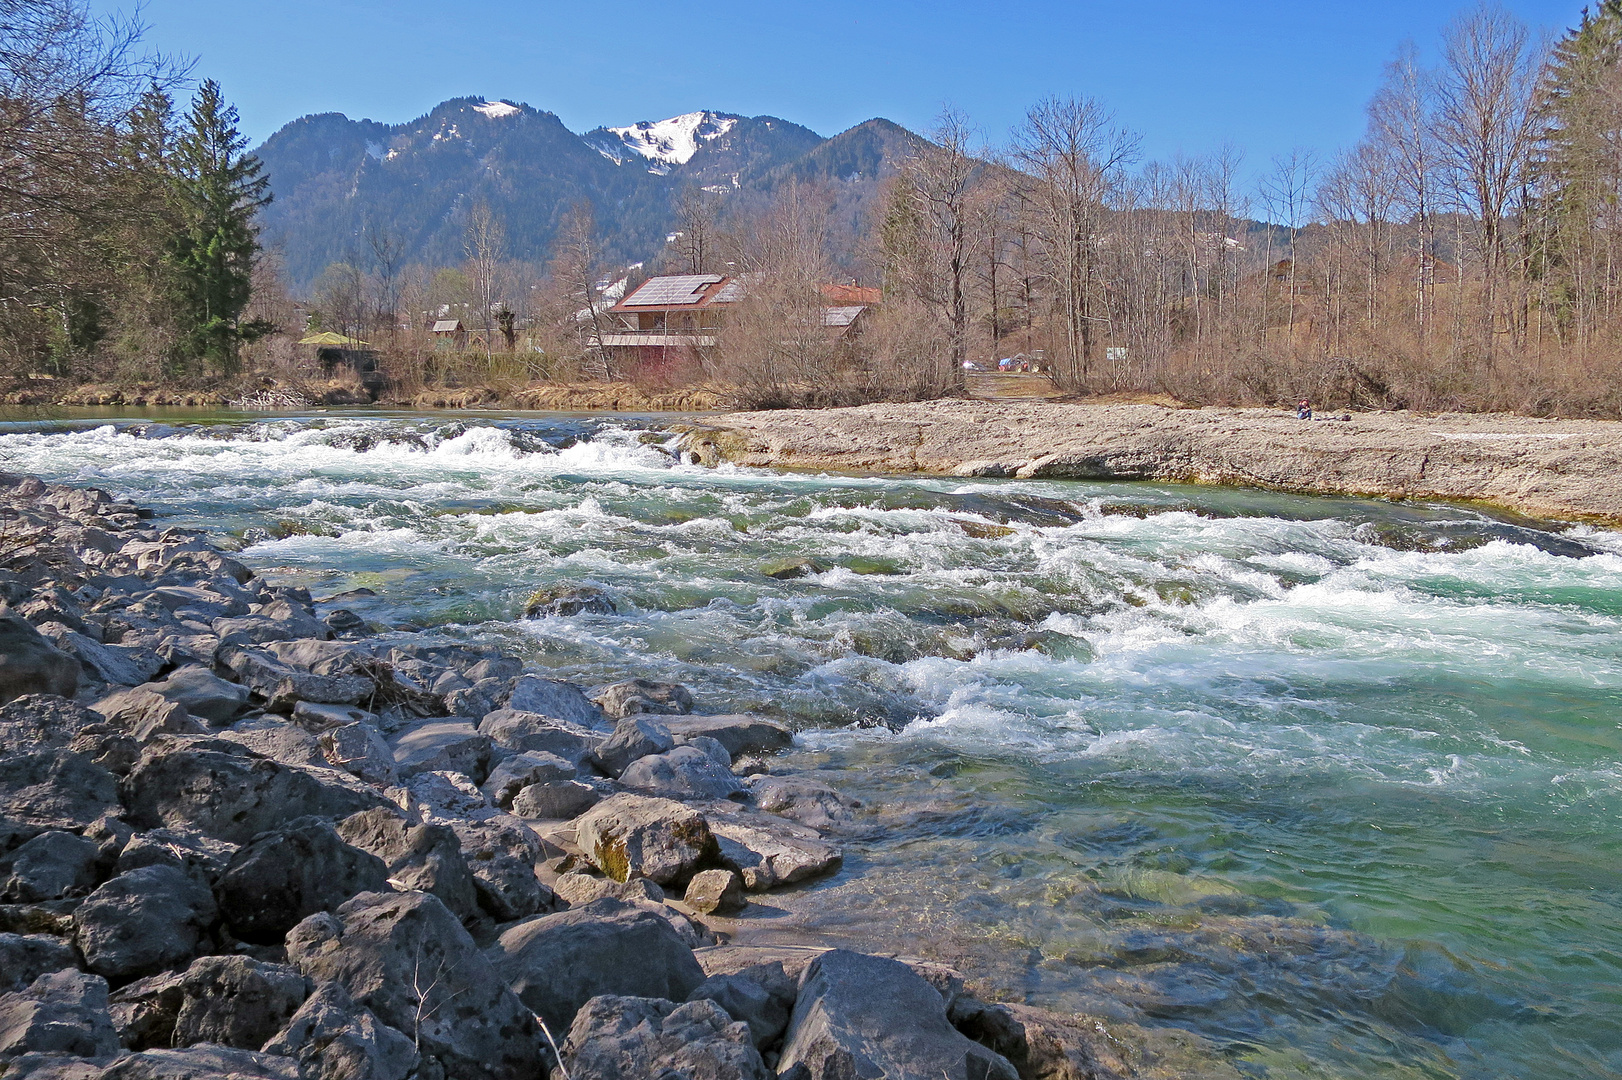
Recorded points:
(217,189)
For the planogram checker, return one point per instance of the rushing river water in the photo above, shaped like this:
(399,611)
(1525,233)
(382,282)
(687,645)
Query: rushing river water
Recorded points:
(1334,784)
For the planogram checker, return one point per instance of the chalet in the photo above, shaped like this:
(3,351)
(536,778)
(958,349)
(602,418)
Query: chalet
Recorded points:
(665,318)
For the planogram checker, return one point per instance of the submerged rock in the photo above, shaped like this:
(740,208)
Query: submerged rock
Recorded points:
(567,600)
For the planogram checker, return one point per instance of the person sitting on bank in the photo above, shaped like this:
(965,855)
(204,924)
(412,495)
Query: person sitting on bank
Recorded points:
(1303,411)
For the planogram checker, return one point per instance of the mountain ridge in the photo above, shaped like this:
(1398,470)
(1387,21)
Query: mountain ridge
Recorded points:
(338,182)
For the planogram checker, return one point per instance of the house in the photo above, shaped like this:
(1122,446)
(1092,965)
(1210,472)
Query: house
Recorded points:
(449,334)
(666,318)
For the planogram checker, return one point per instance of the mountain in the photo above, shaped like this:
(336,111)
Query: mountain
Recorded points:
(339,183)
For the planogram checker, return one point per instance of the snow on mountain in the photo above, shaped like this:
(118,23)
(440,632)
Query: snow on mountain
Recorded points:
(495,110)
(663,144)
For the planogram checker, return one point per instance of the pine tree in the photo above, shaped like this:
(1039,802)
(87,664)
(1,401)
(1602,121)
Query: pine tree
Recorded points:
(217,190)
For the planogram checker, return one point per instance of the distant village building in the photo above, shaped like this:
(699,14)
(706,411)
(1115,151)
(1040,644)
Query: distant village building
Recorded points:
(677,316)
(449,334)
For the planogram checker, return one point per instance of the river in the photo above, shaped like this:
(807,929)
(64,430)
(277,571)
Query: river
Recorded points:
(1333,784)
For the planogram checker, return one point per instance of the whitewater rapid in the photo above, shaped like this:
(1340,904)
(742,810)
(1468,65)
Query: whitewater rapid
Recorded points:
(1334,784)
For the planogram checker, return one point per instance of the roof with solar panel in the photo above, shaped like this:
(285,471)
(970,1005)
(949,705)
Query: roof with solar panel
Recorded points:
(686,291)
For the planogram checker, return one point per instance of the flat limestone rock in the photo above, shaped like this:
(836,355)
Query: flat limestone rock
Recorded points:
(740,734)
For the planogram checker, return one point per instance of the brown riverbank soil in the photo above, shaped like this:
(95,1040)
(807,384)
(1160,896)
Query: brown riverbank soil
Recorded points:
(1567,469)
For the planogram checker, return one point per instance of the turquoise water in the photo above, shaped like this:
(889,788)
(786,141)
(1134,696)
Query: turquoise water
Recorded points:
(1333,784)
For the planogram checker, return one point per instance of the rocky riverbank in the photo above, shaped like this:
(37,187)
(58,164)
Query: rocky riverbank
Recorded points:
(1565,469)
(243,833)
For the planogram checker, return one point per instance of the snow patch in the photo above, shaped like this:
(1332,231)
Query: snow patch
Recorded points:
(663,144)
(495,110)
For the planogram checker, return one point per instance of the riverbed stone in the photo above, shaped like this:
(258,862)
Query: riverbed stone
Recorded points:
(30,664)
(145,1010)
(740,734)
(236,1001)
(360,750)
(284,875)
(202,693)
(769,852)
(521,770)
(615,1037)
(202,1062)
(556,963)
(628,836)
(201,856)
(56,788)
(144,921)
(502,854)
(634,737)
(51,866)
(567,600)
(555,698)
(760,995)
(144,714)
(226,791)
(802,799)
(715,892)
(622,699)
(684,773)
(860,1015)
(25,957)
(334,1038)
(424,857)
(558,801)
(44,722)
(443,746)
(405,957)
(519,731)
(64,1012)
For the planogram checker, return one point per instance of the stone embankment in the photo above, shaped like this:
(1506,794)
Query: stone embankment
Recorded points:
(1566,469)
(243,834)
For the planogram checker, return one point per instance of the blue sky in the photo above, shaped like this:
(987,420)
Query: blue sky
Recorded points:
(1264,75)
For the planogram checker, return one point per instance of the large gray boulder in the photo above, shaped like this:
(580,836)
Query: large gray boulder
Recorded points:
(424,857)
(556,963)
(622,699)
(64,1012)
(859,1015)
(226,791)
(285,875)
(521,731)
(769,852)
(236,1001)
(502,854)
(144,714)
(56,788)
(51,866)
(555,698)
(276,739)
(119,665)
(406,958)
(761,995)
(333,1038)
(614,1038)
(634,737)
(359,749)
(201,856)
(143,922)
(443,746)
(25,957)
(45,721)
(685,773)
(741,734)
(202,693)
(555,802)
(144,1011)
(30,664)
(204,1062)
(628,836)
(523,769)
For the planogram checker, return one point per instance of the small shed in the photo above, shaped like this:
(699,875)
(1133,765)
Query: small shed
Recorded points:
(449,334)
(335,352)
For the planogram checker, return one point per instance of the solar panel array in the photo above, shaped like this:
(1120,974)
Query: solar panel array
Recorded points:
(667,291)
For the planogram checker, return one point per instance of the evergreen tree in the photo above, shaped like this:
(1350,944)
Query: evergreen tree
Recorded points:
(217,190)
